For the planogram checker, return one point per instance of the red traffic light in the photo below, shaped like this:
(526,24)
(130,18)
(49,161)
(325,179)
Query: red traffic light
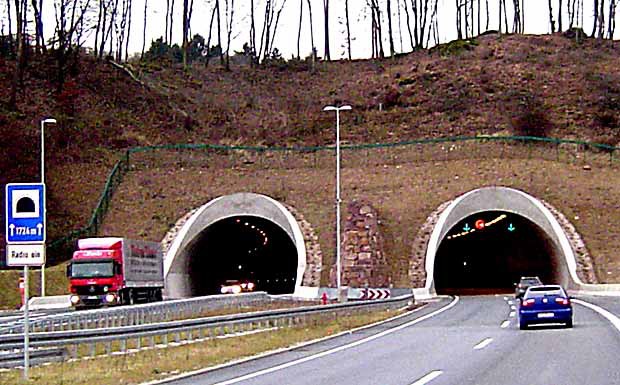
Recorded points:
(479,224)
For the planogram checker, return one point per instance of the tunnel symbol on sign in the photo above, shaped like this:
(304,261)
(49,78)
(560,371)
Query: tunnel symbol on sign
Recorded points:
(26,204)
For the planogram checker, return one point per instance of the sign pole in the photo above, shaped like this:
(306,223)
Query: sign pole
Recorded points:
(26,325)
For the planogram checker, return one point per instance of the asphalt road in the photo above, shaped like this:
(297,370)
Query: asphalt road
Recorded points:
(469,340)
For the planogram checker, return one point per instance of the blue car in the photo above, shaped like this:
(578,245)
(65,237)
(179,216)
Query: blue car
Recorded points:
(545,304)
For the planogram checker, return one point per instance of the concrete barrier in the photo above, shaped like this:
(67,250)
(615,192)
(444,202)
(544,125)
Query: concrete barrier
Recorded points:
(49,302)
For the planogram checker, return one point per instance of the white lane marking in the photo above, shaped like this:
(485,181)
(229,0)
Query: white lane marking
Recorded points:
(505,324)
(340,348)
(512,314)
(428,378)
(510,302)
(615,321)
(483,344)
(505,298)
(513,307)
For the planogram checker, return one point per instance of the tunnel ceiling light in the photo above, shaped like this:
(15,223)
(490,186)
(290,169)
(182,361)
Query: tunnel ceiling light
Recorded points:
(480,224)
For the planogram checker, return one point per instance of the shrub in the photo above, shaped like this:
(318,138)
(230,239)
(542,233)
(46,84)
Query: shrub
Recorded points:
(531,118)
(606,119)
(455,47)
(391,98)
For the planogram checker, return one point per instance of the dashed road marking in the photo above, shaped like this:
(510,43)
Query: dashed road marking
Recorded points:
(483,344)
(505,324)
(340,348)
(428,378)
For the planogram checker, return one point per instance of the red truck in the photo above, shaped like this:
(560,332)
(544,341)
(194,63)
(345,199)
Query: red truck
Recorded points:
(112,271)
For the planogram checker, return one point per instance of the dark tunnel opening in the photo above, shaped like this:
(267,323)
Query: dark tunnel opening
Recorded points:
(243,248)
(488,252)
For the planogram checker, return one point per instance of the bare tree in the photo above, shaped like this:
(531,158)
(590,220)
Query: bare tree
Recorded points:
(171,22)
(208,56)
(390,34)
(252,33)
(377,34)
(314,52)
(301,18)
(560,16)
(611,27)
(18,75)
(230,12)
(185,31)
(346,11)
(129,13)
(70,16)
(488,15)
(37,6)
(596,18)
(326,27)
(146,6)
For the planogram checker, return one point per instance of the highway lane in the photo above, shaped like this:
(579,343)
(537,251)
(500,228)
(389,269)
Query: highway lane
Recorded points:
(476,341)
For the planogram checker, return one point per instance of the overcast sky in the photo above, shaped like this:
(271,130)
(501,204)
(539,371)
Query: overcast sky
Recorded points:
(536,22)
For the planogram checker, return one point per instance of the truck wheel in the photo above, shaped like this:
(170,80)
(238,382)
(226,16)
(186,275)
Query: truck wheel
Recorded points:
(158,295)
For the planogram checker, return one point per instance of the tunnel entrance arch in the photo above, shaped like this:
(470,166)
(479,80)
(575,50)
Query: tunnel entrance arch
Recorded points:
(243,236)
(493,200)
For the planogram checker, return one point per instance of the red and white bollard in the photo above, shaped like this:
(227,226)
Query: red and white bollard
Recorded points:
(21,289)
(324,298)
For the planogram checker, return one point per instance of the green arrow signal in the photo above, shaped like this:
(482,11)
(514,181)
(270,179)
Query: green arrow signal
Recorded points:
(511,227)
(466,227)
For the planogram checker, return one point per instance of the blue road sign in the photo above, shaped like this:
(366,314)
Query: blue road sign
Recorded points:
(25,213)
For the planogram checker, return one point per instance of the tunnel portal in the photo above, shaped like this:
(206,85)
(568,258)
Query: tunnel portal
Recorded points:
(244,248)
(488,252)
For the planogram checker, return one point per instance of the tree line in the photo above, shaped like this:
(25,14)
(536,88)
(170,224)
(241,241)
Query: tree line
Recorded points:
(395,26)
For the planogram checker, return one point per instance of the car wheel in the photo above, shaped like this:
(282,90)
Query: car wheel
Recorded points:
(569,324)
(522,325)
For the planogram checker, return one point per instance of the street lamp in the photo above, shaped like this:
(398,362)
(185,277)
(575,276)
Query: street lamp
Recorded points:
(43,123)
(337,109)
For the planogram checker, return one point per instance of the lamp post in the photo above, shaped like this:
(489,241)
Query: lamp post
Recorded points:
(43,123)
(337,109)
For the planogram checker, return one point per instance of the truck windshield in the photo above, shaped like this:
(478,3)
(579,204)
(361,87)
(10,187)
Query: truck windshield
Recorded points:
(92,269)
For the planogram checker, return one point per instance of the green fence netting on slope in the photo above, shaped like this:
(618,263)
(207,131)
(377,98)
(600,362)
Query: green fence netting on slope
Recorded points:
(425,149)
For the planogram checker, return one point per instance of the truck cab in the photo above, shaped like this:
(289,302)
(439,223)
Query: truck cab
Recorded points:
(99,275)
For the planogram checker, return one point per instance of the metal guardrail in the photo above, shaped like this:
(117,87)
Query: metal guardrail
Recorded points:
(137,314)
(122,337)
(37,357)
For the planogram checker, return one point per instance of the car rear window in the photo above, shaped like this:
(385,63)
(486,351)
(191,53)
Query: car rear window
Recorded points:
(545,290)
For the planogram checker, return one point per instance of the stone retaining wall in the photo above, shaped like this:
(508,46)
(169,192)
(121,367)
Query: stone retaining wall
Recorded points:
(363,261)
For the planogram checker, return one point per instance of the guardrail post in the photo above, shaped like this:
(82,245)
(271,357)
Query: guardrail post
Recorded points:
(93,349)
(139,343)
(72,350)
(123,345)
